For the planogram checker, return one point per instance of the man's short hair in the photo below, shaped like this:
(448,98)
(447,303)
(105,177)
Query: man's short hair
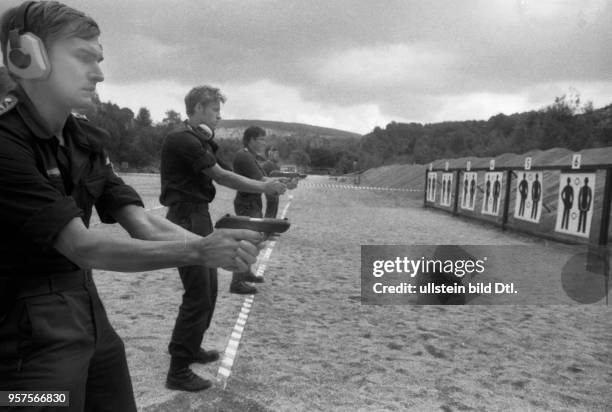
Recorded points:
(252,132)
(203,95)
(50,21)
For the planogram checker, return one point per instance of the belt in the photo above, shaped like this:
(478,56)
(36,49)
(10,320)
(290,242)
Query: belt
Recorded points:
(193,206)
(46,285)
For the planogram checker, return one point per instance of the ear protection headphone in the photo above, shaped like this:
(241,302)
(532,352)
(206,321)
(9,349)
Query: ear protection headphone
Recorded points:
(27,55)
(204,127)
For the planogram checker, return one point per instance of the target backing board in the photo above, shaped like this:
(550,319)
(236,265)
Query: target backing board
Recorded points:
(529,192)
(446,193)
(493,189)
(576,200)
(431,186)
(469,188)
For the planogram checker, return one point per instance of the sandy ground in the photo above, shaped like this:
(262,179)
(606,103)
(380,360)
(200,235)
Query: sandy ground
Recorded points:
(309,343)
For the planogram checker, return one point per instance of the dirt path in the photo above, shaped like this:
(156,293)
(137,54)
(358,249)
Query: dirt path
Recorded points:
(310,345)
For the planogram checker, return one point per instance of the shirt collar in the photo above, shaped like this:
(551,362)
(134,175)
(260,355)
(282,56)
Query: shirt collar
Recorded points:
(30,116)
(36,124)
(255,155)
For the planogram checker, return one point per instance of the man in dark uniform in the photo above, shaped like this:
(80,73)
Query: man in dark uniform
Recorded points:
(246,163)
(54,333)
(188,168)
(248,204)
(269,166)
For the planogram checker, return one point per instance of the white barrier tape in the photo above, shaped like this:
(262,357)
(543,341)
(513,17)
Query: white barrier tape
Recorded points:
(229,355)
(336,186)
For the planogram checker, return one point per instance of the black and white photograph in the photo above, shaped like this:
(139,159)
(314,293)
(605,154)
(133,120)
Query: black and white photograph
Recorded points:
(325,205)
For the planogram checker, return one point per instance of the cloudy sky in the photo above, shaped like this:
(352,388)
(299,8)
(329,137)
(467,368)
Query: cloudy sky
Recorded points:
(355,64)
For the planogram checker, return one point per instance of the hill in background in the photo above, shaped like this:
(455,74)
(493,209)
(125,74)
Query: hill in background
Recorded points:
(566,124)
(235,128)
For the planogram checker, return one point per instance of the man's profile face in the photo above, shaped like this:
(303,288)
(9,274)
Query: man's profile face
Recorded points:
(256,144)
(75,71)
(210,114)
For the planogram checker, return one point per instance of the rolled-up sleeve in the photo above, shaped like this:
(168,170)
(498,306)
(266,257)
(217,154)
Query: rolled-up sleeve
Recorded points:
(29,203)
(190,150)
(115,195)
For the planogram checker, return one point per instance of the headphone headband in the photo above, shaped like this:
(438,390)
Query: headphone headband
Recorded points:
(22,15)
(20,24)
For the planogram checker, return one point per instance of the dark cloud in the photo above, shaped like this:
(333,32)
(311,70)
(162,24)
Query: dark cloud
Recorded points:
(325,49)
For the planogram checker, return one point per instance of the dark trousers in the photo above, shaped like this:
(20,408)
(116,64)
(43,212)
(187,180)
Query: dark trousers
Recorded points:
(250,208)
(199,282)
(271,206)
(61,340)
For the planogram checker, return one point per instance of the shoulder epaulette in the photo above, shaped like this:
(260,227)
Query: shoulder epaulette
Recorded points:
(80,116)
(7,104)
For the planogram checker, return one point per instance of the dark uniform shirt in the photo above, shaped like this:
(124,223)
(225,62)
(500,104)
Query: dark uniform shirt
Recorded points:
(186,153)
(44,185)
(245,164)
(270,166)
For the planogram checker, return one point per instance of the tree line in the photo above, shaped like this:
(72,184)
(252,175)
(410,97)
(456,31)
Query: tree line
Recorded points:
(566,123)
(135,141)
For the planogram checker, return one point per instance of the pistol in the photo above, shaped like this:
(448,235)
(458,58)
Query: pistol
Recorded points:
(266,225)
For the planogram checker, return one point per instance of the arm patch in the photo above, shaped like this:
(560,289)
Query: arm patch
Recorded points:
(7,104)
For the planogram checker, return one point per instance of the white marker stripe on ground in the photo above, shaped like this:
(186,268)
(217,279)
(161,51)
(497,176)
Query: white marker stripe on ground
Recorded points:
(225,370)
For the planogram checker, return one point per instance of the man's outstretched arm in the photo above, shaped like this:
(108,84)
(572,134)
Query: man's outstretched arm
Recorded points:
(229,249)
(243,184)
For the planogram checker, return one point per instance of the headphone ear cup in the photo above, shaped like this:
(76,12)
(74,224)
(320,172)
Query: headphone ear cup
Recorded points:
(30,60)
(204,127)
(22,61)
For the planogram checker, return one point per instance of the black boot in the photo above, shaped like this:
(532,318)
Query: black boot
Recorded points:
(250,277)
(206,356)
(242,288)
(181,378)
